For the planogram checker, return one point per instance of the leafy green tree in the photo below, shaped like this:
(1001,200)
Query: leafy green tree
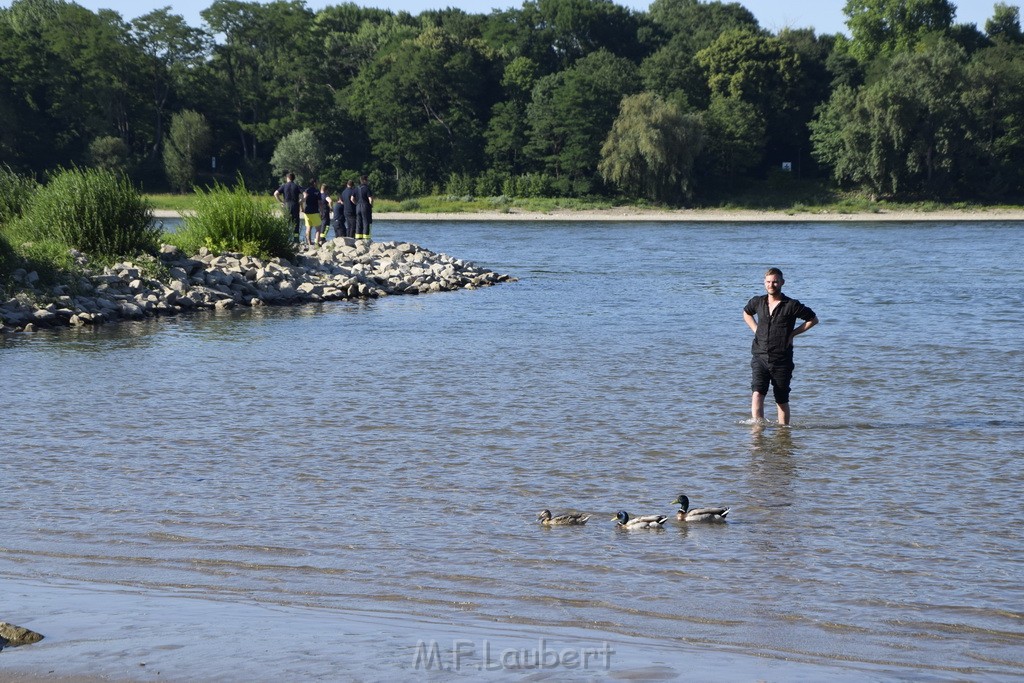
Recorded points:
(571,112)
(422,102)
(1004,26)
(673,70)
(109,153)
(995,99)
(299,152)
(188,141)
(881,28)
(507,129)
(174,54)
(766,73)
(702,22)
(651,148)
(574,29)
(734,138)
(83,80)
(267,70)
(556,33)
(906,133)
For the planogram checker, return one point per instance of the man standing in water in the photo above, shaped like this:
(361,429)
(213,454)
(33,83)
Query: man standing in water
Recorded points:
(772,318)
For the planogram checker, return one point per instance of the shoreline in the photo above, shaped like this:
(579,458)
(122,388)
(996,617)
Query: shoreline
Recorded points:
(97,632)
(692,216)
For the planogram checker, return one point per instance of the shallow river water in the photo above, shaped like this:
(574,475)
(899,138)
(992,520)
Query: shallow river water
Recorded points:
(374,469)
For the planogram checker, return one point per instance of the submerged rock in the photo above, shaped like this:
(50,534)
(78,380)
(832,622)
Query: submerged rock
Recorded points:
(340,269)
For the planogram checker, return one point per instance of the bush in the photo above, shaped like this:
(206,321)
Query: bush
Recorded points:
(95,211)
(16,193)
(459,184)
(233,220)
(111,153)
(412,186)
(489,184)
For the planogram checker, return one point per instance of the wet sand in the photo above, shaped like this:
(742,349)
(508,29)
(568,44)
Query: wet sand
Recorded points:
(695,215)
(119,633)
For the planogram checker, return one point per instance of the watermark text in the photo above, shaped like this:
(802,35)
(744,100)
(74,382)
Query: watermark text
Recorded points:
(430,655)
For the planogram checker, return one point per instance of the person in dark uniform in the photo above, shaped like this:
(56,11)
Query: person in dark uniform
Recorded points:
(289,195)
(364,209)
(772,318)
(338,217)
(311,212)
(348,201)
(325,213)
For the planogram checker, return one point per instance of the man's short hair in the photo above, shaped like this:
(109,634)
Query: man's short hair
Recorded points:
(774,271)
(291,176)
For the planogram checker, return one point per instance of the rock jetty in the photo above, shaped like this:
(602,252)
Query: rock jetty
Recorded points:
(174,283)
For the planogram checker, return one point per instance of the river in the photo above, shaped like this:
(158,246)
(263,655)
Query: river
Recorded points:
(338,491)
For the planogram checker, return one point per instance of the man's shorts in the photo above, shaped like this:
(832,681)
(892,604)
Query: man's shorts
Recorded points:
(778,375)
(312,220)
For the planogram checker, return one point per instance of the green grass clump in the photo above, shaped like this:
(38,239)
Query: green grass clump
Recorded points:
(231,219)
(96,211)
(16,192)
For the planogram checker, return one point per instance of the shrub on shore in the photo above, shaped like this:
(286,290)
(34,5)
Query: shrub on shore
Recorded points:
(16,192)
(95,211)
(231,219)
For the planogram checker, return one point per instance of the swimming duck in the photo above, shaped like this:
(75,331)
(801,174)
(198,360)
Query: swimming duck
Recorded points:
(645,522)
(685,514)
(570,519)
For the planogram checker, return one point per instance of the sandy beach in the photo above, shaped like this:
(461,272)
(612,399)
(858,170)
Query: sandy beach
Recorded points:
(694,215)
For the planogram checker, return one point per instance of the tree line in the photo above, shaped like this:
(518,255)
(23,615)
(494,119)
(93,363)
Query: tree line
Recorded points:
(684,102)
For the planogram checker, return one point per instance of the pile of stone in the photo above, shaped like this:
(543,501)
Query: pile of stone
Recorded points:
(340,269)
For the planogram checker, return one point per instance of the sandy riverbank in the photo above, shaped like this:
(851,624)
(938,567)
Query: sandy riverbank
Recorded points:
(696,215)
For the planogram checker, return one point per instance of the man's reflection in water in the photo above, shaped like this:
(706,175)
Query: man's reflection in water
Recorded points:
(772,465)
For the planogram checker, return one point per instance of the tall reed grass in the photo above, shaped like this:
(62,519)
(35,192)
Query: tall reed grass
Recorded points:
(16,192)
(95,211)
(231,219)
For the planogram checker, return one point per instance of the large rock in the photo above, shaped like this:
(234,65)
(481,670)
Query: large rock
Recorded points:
(17,635)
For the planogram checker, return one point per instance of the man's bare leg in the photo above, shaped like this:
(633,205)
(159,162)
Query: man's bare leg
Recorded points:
(757,406)
(783,409)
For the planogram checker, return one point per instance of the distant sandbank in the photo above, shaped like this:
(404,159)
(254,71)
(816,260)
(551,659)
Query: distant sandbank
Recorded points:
(696,215)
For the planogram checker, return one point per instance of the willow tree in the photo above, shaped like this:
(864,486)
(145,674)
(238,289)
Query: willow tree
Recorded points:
(650,149)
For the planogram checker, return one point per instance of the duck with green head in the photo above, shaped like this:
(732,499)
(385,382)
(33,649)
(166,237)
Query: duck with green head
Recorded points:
(685,514)
(624,521)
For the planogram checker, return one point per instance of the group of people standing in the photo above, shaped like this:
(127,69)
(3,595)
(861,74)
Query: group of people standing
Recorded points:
(349,215)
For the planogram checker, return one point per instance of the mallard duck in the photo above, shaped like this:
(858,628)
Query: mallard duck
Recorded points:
(685,514)
(570,519)
(645,522)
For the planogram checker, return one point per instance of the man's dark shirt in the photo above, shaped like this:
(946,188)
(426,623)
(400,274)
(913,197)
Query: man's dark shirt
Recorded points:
(346,200)
(290,193)
(312,200)
(771,340)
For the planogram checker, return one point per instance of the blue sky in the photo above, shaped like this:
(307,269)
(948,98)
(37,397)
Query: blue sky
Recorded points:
(824,16)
